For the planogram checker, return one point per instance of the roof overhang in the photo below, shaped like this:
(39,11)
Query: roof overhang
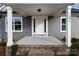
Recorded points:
(32,9)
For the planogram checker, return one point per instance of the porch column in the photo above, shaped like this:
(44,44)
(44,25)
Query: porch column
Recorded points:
(68,26)
(9,31)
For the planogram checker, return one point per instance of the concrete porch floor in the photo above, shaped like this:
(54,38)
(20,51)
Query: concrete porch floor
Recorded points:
(39,41)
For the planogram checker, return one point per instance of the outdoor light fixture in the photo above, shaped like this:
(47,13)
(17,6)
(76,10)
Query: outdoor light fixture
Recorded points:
(39,10)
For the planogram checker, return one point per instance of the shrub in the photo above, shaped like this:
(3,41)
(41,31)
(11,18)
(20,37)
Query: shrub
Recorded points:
(74,40)
(64,39)
(2,44)
(14,50)
(75,43)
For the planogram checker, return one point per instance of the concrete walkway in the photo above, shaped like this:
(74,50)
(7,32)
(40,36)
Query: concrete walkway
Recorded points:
(39,41)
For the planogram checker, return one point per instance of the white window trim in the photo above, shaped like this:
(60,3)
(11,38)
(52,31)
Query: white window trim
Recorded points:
(61,24)
(12,24)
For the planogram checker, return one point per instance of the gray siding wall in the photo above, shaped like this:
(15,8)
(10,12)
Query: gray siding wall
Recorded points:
(26,29)
(75,27)
(0,29)
(16,35)
(54,28)
(3,34)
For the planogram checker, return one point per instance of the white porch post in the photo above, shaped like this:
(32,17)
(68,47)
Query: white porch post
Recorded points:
(68,26)
(9,31)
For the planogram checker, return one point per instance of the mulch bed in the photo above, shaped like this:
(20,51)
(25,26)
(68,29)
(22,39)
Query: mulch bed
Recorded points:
(2,51)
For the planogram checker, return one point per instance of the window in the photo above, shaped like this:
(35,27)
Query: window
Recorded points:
(34,24)
(45,25)
(63,24)
(17,25)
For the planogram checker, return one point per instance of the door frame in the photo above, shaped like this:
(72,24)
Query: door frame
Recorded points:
(46,17)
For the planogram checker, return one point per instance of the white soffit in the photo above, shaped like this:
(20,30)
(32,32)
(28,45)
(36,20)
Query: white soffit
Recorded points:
(31,9)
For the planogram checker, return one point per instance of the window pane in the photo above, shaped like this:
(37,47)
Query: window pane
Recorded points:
(63,21)
(13,22)
(17,27)
(12,27)
(63,27)
(17,22)
(45,25)
(34,24)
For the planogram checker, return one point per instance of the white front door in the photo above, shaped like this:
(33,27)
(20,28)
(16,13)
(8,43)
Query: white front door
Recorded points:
(39,26)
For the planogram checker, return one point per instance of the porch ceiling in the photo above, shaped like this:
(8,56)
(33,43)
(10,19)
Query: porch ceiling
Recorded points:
(31,9)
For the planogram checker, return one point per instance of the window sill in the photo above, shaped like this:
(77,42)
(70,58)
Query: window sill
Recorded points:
(62,31)
(16,31)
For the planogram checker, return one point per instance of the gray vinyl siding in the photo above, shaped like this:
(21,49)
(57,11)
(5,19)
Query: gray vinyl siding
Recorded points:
(3,34)
(0,29)
(26,29)
(75,27)
(16,35)
(54,27)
